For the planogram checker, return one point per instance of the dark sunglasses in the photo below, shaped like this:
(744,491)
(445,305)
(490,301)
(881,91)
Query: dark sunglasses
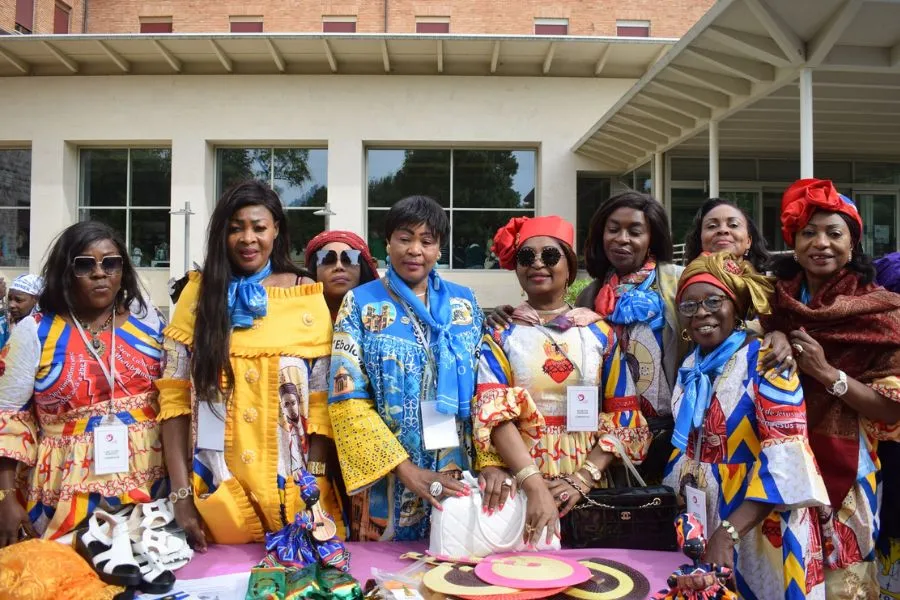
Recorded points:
(550,256)
(328,258)
(83,266)
(712,304)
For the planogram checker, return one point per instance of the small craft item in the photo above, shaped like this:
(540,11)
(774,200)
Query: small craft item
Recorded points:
(266,583)
(610,580)
(462,582)
(438,560)
(531,571)
(271,581)
(692,542)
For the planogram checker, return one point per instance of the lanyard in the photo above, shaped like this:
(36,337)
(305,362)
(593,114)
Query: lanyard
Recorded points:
(422,337)
(559,349)
(108,371)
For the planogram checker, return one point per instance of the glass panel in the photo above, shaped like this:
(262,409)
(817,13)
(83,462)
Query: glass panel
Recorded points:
(375,239)
(104,177)
(493,179)
(115,218)
(473,235)
(396,174)
(239,164)
(151,177)
(771,219)
(15,234)
(870,172)
(839,171)
(303,226)
(301,176)
(879,219)
(685,204)
(590,193)
(736,169)
(15,178)
(746,200)
(642,179)
(779,169)
(150,238)
(690,169)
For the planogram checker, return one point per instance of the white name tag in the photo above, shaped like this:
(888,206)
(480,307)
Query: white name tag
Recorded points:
(696,504)
(110,447)
(211,427)
(582,408)
(438,430)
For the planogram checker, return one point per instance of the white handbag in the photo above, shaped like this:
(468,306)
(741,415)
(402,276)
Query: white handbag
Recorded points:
(461,530)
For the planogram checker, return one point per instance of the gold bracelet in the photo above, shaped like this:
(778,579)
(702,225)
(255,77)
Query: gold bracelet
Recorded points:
(731,530)
(594,470)
(581,478)
(315,467)
(7,492)
(527,472)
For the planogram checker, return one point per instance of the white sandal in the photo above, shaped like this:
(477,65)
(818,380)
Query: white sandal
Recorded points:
(107,547)
(159,552)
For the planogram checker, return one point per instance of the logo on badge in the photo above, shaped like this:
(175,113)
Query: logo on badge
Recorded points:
(110,437)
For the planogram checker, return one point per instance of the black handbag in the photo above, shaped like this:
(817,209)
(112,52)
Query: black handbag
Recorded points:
(633,517)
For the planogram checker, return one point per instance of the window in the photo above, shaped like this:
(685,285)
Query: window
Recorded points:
(298,175)
(156,24)
(551,26)
(590,191)
(339,24)
(61,18)
(24,16)
(633,28)
(130,189)
(432,25)
(15,207)
(481,190)
(246,24)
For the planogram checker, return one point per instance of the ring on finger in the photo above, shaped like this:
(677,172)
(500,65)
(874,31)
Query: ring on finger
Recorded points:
(564,497)
(507,482)
(797,348)
(436,488)
(529,529)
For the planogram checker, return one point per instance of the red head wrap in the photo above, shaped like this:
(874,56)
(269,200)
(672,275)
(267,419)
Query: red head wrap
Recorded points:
(511,236)
(807,196)
(346,237)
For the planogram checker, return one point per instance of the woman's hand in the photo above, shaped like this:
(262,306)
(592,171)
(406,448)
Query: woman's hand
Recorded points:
(811,358)
(496,485)
(419,481)
(13,517)
(188,518)
(697,582)
(541,513)
(501,317)
(720,550)
(565,494)
(781,357)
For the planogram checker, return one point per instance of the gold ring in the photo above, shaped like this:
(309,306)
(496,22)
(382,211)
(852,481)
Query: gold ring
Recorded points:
(797,348)
(529,529)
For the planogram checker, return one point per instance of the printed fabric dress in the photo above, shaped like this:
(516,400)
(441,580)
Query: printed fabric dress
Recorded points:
(280,397)
(54,394)
(379,374)
(754,446)
(523,374)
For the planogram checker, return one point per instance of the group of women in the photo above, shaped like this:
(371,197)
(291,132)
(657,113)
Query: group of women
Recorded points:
(762,397)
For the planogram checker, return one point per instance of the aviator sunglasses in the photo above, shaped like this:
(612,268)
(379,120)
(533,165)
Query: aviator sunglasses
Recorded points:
(527,256)
(83,266)
(712,304)
(328,258)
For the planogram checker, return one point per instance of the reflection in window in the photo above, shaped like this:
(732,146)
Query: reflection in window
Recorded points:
(298,175)
(139,212)
(482,190)
(15,203)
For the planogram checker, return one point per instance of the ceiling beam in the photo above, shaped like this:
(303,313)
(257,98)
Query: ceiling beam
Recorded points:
(616,143)
(332,61)
(646,121)
(753,70)
(619,136)
(894,58)
(440,56)
(601,60)
(691,92)
(752,45)
(15,61)
(276,55)
(222,56)
(669,116)
(643,133)
(495,56)
(726,84)
(385,57)
(114,56)
(62,57)
(619,153)
(548,58)
(688,108)
(790,43)
(657,57)
(830,33)
(168,56)
(601,157)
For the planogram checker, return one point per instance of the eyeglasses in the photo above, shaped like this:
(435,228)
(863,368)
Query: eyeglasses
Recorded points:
(83,266)
(550,256)
(328,258)
(712,304)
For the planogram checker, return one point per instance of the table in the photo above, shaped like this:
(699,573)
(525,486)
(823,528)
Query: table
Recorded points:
(224,560)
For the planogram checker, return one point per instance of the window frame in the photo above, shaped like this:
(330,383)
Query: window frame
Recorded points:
(21,263)
(549,24)
(58,8)
(22,10)
(631,26)
(442,23)
(246,24)
(338,21)
(155,25)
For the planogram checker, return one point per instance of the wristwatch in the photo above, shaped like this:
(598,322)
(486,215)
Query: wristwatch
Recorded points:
(839,387)
(180,494)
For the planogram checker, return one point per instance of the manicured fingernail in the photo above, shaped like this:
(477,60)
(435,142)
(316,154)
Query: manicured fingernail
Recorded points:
(480,485)
(440,508)
(501,507)
(491,512)
(461,494)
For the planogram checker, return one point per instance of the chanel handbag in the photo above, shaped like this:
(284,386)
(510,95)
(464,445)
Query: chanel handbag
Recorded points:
(462,531)
(638,518)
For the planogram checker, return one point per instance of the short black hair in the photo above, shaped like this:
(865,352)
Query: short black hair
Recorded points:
(595,257)
(786,267)
(758,255)
(413,211)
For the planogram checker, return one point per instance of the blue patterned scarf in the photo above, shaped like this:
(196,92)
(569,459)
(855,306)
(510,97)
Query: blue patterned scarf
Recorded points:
(247,298)
(696,381)
(640,304)
(455,378)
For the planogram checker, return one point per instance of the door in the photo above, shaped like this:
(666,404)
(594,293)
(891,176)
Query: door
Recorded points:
(879,214)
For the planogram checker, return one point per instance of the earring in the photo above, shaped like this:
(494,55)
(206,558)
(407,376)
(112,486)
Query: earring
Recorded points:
(740,325)
(850,259)
(795,257)
(685,335)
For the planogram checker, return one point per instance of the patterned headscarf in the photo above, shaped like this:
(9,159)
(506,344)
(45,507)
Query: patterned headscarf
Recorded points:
(750,291)
(346,237)
(805,197)
(28,283)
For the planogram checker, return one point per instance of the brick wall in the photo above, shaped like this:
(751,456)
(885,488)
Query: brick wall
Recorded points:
(43,15)
(671,18)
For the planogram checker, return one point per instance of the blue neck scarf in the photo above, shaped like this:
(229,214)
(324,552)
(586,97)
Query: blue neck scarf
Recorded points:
(640,304)
(455,377)
(247,298)
(696,382)
(805,298)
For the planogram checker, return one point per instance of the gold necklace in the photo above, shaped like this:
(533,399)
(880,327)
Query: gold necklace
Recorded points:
(96,342)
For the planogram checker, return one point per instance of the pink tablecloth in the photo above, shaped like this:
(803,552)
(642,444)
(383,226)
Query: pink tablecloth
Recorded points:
(223,560)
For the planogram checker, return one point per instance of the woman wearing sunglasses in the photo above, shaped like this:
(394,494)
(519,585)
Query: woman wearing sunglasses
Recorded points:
(94,350)
(529,375)
(342,261)
(249,324)
(742,457)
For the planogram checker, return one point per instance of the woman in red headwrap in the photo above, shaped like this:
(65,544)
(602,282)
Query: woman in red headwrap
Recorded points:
(529,374)
(845,332)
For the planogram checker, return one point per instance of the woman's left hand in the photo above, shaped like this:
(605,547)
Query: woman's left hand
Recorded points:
(810,356)
(720,550)
(564,494)
(780,358)
(496,486)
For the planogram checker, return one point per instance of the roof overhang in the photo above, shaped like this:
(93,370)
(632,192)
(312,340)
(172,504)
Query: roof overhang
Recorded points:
(321,53)
(734,66)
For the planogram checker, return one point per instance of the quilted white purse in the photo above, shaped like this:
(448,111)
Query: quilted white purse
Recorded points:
(461,530)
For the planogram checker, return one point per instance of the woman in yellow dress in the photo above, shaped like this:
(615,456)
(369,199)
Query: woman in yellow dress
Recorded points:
(245,345)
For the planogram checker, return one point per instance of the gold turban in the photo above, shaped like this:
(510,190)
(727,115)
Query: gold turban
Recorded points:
(750,291)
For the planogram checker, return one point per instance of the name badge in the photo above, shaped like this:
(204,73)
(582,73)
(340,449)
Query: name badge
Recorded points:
(110,447)
(211,426)
(582,408)
(696,504)
(438,430)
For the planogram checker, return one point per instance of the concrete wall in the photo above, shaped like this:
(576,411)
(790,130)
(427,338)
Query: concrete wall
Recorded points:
(194,114)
